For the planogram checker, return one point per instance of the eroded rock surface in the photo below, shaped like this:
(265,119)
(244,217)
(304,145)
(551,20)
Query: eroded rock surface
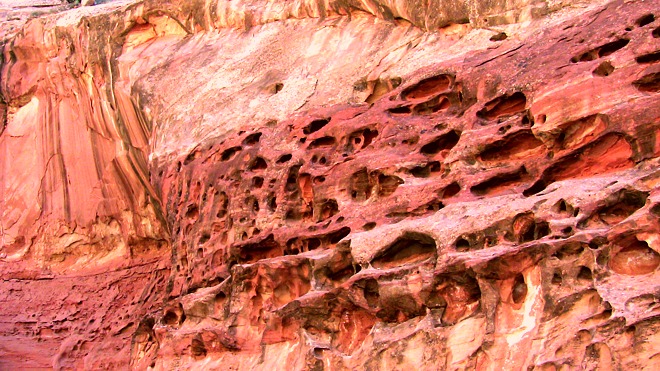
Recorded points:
(368,185)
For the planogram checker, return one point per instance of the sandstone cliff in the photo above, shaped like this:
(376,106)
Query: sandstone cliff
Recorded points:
(330,185)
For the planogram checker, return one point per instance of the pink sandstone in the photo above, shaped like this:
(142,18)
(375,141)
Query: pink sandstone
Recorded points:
(340,185)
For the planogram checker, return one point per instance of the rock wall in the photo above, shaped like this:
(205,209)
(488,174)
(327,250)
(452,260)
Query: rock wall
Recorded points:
(331,185)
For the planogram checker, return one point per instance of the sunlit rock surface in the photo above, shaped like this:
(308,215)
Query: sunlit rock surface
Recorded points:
(330,185)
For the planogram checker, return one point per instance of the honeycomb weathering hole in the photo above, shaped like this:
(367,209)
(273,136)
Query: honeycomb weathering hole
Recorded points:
(257,182)
(315,126)
(585,274)
(338,235)
(411,247)
(192,212)
(504,105)
(645,19)
(387,184)
(360,139)
(462,244)
(284,158)
(500,183)
(371,293)
(263,249)
(229,153)
(326,209)
(626,202)
(517,146)
(609,153)
(219,301)
(519,290)
(612,47)
(360,185)
(401,110)
(600,51)
(655,210)
(258,164)
(424,171)
(197,348)
(648,83)
(170,319)
(527,229)
(433,105)
(445,141)
(427,87)
(635,259)
(326,141)
(563,207)
(252,139)
(604,69)
(451,190)
(369,226)
(498,37)
(649,58)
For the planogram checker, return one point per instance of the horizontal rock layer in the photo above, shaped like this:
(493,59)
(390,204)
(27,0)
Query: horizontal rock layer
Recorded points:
(331,186)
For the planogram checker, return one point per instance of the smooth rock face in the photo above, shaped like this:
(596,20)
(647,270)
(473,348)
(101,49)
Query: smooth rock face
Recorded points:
(330,185)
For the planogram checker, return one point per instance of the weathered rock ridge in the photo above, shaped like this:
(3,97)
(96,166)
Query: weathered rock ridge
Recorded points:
(330,185)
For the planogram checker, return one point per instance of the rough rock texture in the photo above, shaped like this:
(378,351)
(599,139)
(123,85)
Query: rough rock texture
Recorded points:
(331,185)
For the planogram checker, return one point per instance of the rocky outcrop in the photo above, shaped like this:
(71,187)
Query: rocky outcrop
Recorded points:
(331,185)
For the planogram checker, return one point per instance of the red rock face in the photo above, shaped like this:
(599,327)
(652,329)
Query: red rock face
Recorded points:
(215,188)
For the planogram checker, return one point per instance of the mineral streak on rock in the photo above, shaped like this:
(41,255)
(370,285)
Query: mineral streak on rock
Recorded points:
(330,185)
